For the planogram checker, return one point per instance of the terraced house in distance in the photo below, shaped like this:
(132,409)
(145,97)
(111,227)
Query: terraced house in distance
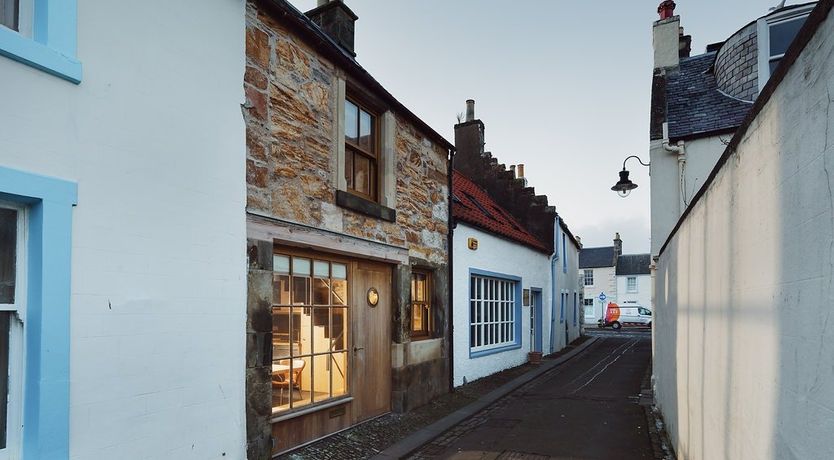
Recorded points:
(347,226)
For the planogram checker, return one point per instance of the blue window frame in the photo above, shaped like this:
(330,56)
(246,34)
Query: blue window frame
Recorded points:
(564,255)
(48,204)
(52,46)
(575,309)
(494,312)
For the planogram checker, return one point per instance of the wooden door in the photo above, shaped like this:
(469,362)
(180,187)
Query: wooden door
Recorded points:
(371,381)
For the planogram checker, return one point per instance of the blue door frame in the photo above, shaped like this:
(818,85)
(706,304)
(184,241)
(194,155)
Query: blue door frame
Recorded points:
(536,293)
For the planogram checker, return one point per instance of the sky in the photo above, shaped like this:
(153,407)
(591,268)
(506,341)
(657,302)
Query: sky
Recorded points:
(562,87)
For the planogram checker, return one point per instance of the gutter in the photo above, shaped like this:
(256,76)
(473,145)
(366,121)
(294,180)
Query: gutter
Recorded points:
(450,226)
(680,151)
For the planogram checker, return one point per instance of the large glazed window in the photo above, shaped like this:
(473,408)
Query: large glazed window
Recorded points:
(589,277)
(776,33)
(492,313)
(309,331)
(11,329)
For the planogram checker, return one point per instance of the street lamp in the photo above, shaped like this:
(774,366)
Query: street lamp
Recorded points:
(624,186)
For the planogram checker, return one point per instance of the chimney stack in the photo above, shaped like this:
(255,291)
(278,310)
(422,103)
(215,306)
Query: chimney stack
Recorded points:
(337,21)
(470,110)
(666,9)
(618,246)
(666,37)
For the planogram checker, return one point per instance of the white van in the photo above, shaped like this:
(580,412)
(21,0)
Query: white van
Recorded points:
(629,314)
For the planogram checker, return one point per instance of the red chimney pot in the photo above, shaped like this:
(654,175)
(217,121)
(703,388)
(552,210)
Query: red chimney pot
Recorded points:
(666,9)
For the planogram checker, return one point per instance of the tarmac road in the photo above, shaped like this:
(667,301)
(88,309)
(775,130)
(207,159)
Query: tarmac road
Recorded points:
(586,408)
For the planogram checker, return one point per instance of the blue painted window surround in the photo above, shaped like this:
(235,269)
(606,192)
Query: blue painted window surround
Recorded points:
(516,313)
(48,202)
(564,255)
(52,45)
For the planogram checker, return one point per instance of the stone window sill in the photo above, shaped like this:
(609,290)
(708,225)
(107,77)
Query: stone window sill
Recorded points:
(363,206)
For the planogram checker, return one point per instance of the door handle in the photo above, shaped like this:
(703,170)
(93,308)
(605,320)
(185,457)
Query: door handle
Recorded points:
(355,349)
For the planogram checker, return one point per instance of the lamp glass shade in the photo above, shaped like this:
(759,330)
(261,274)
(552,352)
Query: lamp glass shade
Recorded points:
(624,186)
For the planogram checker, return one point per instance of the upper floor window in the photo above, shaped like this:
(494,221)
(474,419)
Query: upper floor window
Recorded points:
(421,314)
(631,284)
(9,13)
(361,151)
(776,33)
(589,277)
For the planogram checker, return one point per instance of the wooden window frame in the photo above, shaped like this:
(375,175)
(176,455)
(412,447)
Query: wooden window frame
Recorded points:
(585,277)
(428,320)
(352,149)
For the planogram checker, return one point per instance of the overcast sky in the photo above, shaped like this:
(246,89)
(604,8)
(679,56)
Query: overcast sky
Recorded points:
(562,87)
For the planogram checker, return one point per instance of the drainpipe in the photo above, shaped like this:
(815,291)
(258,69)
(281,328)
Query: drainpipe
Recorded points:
(680,151)
(450,225)
(554,285)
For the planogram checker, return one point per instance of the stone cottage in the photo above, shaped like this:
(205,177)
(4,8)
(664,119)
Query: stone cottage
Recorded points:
(347,226)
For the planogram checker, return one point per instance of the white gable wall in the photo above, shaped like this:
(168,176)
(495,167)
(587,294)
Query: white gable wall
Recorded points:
(154,138)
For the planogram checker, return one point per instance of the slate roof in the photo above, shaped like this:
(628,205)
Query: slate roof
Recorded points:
(694,103)
(634,264)
(597,257)
(473,205)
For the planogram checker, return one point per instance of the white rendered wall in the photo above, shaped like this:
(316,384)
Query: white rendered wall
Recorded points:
(503,256)
(666,201)
(643,296)
(605,280)
(568,282)
(154,138)
(743,362)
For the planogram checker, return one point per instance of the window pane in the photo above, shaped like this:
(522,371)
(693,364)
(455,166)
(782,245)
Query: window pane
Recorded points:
(300,380)
(321,377)
(300,290)
(782,34)
(362,174)
(4,371)
(416,317)
(351,122)
(338,337)
(339,271)
(281,264)
(339,291)
(321,269)
(281,289)
(321,291)
(338,373)
(8,253)
(9,14)
(366,131)
(301,267)
(349,168)
(321,330)
(282,345)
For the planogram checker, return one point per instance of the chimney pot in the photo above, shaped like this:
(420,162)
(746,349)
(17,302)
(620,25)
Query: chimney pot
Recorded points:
(512,169)
(520,170)
(666,9)
(321,2)
(470,109)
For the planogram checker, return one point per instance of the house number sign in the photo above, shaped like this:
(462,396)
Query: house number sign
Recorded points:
(373,297)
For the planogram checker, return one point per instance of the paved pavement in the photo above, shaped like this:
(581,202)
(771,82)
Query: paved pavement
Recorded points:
(587,408)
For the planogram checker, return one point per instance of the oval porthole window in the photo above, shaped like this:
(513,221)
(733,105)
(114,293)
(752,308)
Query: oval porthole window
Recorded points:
(373,297)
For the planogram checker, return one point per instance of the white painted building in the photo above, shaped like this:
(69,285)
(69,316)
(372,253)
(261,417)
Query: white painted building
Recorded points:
(743,284)
(122,195)
(511,294)
(634,279)
(598,276)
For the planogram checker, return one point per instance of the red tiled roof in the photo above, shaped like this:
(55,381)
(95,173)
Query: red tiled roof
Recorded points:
(473,205)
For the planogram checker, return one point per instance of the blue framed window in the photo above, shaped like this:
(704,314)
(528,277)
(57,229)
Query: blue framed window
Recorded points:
(46,204)
(41,34)
(494,313)
(575,309)
(564,255)
(562,307)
